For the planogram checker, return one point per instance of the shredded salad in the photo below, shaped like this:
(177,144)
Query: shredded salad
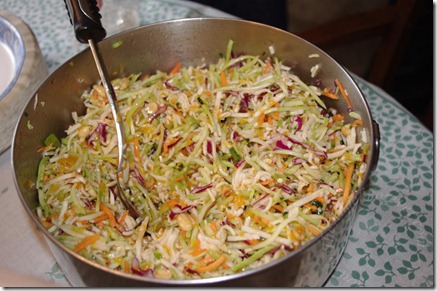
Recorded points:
(233,164)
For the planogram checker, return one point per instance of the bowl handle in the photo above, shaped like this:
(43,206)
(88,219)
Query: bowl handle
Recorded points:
(377,141)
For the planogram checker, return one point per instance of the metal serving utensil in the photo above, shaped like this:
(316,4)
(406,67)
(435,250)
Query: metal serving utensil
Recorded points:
(85,18)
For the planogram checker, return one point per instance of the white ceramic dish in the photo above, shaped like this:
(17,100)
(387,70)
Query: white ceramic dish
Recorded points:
(22,70)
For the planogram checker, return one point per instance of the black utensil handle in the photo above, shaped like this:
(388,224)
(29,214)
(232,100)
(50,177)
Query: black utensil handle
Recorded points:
(85,18)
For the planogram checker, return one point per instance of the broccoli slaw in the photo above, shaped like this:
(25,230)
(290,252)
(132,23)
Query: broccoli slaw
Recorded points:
(233,164)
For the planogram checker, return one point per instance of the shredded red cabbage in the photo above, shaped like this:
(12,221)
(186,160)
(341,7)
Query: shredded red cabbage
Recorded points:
(161,109)
(281,145)
(137,270)
(199,189)
(170,86)
(244,103)
(237,165)
(297,161)
(100,130)
(285,188)
(173,212)
(209,147)
(236,136)
(261,199)
(298,120)
(139,177)
(322,154)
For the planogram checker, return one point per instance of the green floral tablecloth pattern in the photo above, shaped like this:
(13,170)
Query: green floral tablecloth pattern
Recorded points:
(392,239)
(50,23)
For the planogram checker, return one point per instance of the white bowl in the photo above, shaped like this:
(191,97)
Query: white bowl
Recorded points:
(22,69)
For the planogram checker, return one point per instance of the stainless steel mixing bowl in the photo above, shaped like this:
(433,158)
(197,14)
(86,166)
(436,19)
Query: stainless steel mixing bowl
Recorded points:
(160,46)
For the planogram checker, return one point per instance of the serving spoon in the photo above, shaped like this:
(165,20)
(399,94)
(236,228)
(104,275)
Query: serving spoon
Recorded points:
(85,18)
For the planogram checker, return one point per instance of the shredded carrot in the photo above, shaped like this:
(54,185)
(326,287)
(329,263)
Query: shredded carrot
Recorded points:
(213,226)
(41,149)
(267,67)
(102,102)
(310,206)
(196,249)
(320,199)
(283,168)
(100,218)
(310,188)
(329,94)
(261,118)
(253,241)
(314,230)
(206,260)
(276,115)
(278,207)
(168,143)
(266,182)
(175,69)
(357,122)
(223,79)
(123,217)
(84,222)
(343,93)
(104,208)
(126,267)
(212,266)
(338,117)
(270,163)
(137,149)
(165,147)
(190,265)
(348,183)
(270,119)
(178,179)
(260,220)
(86,241)
(173,202)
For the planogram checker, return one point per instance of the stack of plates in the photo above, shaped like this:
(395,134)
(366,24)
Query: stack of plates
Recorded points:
(22,70)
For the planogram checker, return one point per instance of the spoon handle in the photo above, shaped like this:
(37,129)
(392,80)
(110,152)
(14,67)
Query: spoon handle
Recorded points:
(85,17)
